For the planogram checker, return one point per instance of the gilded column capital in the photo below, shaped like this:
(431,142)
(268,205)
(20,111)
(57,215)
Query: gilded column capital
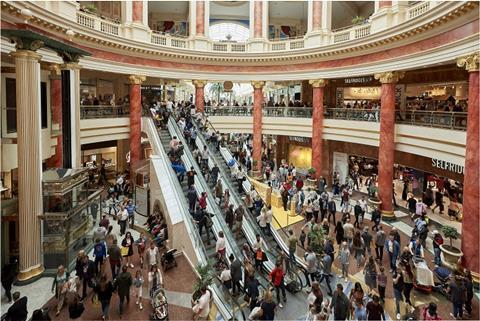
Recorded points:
(199,83)
(389,77)
(136,79)
(258,84)
(26,43)
(317,82)
(70,66)
(55,71)
(470,62)
(26,54)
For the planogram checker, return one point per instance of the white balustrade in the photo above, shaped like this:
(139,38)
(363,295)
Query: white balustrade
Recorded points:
(159,39)
(277,46)
(109,27)
(418,9)
(362,31)
(220,47)
(341,36)
(178,43)
(238,47)
(86,20)
(297,44)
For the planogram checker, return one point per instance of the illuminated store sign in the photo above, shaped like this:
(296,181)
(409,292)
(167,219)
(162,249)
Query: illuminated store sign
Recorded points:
(438,163)
(358,80)
(362,93)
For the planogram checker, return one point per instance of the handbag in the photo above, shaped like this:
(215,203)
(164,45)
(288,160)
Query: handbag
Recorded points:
(256,313)
(264,257)
(124,250)
(95,300)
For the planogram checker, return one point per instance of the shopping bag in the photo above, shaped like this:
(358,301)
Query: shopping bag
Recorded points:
(124,250)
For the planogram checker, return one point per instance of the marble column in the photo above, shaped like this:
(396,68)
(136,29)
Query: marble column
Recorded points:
(200,18)
(316,15)
(29,153)
(317,124)
(199,95)
(386,149)
(258,19)
(384,4)
(137,11)
(135,118)
(471,195)
(257,122)
(56,161)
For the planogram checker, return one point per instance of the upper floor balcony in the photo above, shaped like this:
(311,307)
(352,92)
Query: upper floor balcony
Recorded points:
(243,27)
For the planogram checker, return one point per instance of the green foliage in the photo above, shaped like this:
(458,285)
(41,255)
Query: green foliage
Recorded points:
(216,89)
(358,20)
(451,233)
(317,239)
(91,8)
(206,275)
(312,170)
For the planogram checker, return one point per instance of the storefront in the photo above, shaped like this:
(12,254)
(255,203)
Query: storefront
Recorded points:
(294,150)
(112,154)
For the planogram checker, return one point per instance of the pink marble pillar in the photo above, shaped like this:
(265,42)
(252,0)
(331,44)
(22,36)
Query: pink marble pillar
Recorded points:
(316,15)
(471,195)
(199,95)
(257,123)
(258,19)
(384,4)
(56,161)
(137,11)
(200,18)
(386,149)
(135,118)
(317,125)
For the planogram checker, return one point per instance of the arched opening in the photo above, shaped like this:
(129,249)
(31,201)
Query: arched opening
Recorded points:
(229,31)
(348,13)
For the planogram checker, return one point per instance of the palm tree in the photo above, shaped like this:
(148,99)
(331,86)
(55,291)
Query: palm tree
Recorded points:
(216,88)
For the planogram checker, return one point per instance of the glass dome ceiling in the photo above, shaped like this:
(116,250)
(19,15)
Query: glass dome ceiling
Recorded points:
(229,31)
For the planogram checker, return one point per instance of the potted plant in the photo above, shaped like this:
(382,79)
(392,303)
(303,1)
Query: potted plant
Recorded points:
(311,180)
(358,20)
(256,173)
(451,254)
(205,279)
(317,239)
(90,8)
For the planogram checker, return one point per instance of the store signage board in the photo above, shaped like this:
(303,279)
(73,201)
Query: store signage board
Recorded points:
(438,163)
(362,93)
(359,80)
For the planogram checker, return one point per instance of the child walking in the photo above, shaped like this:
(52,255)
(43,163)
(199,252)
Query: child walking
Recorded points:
(344,257)
(138,284)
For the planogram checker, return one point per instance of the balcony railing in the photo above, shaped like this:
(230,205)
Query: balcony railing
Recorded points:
(351,33)
(94,112)
(98,23)
(437,119)
(418,9)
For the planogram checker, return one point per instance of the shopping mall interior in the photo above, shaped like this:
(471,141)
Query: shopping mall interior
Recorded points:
(240,160)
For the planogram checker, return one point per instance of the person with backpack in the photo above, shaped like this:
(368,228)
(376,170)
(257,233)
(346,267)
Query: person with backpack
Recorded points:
(100,254)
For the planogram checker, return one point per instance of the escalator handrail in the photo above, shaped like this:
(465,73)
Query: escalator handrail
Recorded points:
(199,247)
(251,228)
(219,221)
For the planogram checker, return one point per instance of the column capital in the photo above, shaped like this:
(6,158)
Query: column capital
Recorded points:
(26,43)
(55,71)
(470,62)
(389,77)
(70,66)
(317,82)
(199,83)
(136,79)
(258,84)
(28,54)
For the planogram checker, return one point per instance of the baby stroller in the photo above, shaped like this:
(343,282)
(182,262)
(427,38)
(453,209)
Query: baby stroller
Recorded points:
(159,305)
(443,275)
(424,277)
(168,259)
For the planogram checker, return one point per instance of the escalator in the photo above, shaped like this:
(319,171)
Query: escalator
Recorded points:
(227,305)
(220,156)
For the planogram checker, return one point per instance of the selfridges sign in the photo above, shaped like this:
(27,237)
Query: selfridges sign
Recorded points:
(438,163)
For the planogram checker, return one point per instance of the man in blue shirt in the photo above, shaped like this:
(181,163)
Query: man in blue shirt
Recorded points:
(100,253)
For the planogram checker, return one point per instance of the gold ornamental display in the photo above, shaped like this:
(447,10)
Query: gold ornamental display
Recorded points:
(227,86)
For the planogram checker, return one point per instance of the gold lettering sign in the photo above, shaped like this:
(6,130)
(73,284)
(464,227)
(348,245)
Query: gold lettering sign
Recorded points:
(362,93)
